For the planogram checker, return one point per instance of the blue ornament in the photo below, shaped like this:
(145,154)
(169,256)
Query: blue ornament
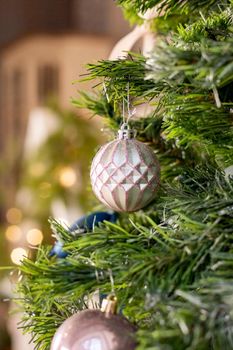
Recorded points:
(58,251)
(84,224)
(88,222)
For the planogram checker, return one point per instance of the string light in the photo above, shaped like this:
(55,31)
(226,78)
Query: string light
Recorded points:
(67,177)
(34,236)
(18,254)
(13,233)
(14,216)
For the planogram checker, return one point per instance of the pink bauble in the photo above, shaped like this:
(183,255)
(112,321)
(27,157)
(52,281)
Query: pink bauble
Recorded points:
(94,330)
(125,173)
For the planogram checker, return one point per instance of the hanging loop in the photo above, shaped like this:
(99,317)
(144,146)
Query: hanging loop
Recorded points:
(125,132)
(129,111)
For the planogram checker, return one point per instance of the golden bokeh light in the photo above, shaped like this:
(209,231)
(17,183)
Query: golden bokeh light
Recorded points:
(67,177)
(34,236)
(13,233)
(18,254)
(14,215)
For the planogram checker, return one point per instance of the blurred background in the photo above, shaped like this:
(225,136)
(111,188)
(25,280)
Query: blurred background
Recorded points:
(45,144)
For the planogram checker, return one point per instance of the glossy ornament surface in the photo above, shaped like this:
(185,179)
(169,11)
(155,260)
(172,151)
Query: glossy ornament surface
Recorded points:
(125,173)
(94,330)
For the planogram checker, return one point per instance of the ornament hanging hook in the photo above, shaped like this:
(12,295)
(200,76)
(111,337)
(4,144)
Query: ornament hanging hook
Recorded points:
(129,111)
(128,102)
(123,111)
(109,304)
(125,131)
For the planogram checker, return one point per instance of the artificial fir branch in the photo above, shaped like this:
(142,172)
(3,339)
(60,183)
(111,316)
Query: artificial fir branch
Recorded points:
(217,26)
(171,262)
(184,83)
(190,6)
(162,256)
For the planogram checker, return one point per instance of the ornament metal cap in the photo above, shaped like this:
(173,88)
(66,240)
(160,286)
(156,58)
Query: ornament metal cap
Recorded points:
(125,133)
(109,304)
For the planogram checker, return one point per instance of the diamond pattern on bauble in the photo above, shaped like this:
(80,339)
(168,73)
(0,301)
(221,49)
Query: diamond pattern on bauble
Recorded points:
(125,175)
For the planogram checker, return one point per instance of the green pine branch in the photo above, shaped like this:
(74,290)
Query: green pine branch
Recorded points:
(217,26)
(171,262)
(189,88)
(189,6)
(173,257)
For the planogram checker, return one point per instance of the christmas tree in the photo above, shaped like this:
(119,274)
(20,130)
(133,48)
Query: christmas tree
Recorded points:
(170,263)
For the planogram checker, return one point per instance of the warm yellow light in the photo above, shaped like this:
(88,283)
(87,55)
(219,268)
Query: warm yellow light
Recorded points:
(17,255)
(67,177)
(14,215)
(13,233)
(34,236)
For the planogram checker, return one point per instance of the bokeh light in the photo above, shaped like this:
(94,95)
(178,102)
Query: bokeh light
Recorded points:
(34,236)
(14,215)
(67,177)
(13,233)
(18,254)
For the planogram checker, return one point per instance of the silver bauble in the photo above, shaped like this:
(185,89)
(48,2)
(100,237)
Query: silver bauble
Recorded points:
(125,173)
(94,330)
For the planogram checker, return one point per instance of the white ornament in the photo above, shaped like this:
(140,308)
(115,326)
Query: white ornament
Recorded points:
(140,32)
(125,173)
